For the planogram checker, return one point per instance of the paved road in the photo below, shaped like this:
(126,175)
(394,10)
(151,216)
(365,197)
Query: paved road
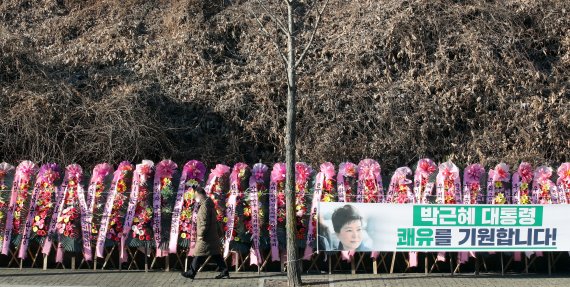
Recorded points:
(36,277)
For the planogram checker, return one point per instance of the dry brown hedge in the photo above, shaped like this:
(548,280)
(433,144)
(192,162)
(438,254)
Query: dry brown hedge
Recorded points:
(471,81)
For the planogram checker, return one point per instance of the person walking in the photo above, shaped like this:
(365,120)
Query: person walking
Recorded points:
(208,241)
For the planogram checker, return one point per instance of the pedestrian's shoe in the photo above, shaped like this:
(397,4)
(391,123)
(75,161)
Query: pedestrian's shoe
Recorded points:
(223,275)
(187,274)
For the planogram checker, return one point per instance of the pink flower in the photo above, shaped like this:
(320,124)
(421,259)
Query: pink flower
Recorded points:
(564,173)
(145,168)
(402,198)
(400,175)
(100,172)
(73,171)
(398,179)
(302,172)
(543,173)
(368,169)
(473,173)
(501,172)
(425,167)
(25,170)
(195,169)
(220,170)
(166,168)
(259,171)
(327,169)
(238,169)
(449,170)
(278,172)
(123,167)
(347,169)
(49,173)
(240,166)
(525,171)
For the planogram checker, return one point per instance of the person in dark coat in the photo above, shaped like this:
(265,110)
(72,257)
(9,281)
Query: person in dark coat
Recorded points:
(208,241)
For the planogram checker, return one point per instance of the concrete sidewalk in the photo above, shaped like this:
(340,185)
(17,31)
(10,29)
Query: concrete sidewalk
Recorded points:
(37,277)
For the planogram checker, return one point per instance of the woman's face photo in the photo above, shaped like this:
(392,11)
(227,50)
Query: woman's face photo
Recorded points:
(350,235)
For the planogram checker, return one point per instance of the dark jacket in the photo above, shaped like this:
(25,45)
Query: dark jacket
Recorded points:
(323,239)
(208,241)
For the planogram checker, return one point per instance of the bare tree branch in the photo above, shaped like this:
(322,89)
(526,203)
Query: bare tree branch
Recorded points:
(273,41)
(320,13)
(277,22)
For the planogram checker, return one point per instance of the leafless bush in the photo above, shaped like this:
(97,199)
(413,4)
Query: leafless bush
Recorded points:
(471,81)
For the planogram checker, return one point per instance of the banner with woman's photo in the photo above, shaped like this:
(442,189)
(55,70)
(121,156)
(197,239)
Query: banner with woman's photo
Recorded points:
(397,227)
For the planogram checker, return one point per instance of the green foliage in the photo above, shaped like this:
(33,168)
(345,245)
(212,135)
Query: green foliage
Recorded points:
(71,244)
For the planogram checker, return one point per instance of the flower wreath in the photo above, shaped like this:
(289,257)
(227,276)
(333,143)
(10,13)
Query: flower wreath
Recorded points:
(277,210)
(424,178)
(162,208)
(5,194)
(239,237)
(258,174)
(140,231)
(217,189)
(497,189)
(346,181)
(448,184)
(124,173)
(95,202)
(323,192)
(193,175)
(256,206)
(400,190)
(369,182)
(19,200)
(563,182)
(522,181)
(544,190)
(303,174)
(39,217)
(48,174)
(472,178)
(69,220)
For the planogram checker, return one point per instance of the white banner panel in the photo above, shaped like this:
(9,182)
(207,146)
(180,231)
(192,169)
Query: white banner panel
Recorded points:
(411,227)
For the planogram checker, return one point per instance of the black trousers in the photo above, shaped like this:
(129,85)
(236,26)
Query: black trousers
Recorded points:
(199,260)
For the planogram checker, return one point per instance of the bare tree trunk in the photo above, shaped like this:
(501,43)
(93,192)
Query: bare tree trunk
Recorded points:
(293,268)
(293,263)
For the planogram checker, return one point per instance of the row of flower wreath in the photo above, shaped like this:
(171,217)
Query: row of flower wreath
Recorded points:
(69,212)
